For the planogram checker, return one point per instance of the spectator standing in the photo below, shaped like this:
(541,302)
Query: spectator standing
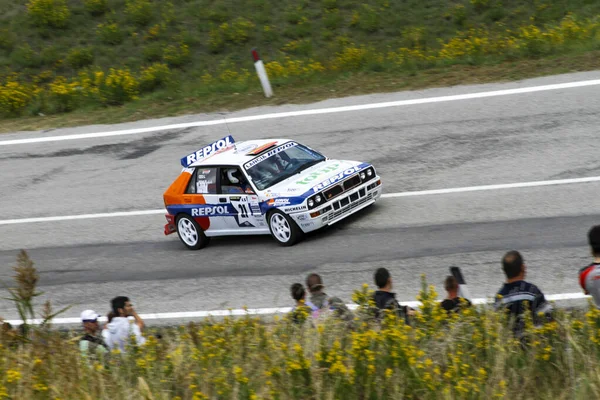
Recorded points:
(589,277)
(385,299)
(518,295)
(453,302)
(91,343)
(121,327)
(321,302)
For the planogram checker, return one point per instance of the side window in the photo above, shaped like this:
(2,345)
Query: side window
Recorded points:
(204,181)
(234,181)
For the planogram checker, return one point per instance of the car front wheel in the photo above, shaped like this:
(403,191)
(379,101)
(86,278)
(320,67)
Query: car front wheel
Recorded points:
(190,233)
(284,229)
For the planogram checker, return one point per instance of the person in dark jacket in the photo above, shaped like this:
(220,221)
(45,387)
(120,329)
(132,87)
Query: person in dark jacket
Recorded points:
(385,299)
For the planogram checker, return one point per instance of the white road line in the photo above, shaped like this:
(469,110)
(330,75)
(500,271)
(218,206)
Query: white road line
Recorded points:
(80,216)
(360,107)
(495,187)
(269,311)
(385,195)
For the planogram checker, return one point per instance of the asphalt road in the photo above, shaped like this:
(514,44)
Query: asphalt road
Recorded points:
(516,138)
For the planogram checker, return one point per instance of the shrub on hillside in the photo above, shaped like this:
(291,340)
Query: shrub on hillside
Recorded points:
(118,87)
(367,19)
(80,57)
(96,7)
(177,55)
(351,58)
(139,12)
(14,97)
(25,57)
(110,33)
(49,13)
(7,39)
(62,95)
(155,76)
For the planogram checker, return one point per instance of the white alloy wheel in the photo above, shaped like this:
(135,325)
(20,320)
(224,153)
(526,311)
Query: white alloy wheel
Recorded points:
(190,233)
(283,228)
(187,231)
(280,228)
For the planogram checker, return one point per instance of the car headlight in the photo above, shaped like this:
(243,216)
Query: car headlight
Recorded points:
(318,199)
(362,176)
(369,172)
(311,203)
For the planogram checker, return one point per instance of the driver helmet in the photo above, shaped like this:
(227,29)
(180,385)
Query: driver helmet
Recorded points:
(232,175)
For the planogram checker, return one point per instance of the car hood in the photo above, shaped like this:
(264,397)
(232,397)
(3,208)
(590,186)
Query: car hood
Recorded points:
(316,178)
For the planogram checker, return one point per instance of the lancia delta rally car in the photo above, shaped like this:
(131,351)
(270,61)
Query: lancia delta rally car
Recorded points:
(276,187)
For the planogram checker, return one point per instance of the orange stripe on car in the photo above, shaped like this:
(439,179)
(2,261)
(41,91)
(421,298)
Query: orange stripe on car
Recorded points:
(260,149)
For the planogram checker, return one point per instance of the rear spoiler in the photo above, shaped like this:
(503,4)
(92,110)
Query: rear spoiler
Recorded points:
(206,151)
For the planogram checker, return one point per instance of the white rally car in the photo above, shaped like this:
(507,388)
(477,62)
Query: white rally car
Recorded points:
(275,186)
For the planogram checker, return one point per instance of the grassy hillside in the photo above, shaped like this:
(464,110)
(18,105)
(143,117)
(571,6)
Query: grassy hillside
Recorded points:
(57,56)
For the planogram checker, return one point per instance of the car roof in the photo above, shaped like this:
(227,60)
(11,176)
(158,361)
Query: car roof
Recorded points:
(238,154)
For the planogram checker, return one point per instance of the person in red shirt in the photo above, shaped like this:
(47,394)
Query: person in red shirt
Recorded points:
(589,277)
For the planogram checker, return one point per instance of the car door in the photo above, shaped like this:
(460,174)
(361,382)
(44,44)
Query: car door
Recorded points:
(244,215)
(202,200)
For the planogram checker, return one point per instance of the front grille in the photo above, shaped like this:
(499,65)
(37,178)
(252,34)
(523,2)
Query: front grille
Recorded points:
(351,182)
(342,187)
(351,202)
(333,192)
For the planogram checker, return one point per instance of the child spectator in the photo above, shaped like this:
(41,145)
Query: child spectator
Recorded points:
(322,302)
(453,302)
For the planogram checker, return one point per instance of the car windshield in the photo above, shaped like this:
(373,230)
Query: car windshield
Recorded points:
(283,165)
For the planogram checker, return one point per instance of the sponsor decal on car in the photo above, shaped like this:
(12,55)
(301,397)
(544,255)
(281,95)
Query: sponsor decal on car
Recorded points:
(244,148)
(210,210)
(206,151)
(279,202)
(295,208)
(317,173)
(335,178)
(268,154)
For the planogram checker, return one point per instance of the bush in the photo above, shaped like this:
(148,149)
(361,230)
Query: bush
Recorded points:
(14,97)
(177,55)
(366,19)
(350,59)
(63,96)
(96,7)
(153,52)
(25,57)
(118,87)
(110,33)
(7,39)
(139,12)
(49,13)
(155,76)
(80,57)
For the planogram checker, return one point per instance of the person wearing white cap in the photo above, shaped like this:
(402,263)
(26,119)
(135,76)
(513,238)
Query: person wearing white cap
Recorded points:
(90,343)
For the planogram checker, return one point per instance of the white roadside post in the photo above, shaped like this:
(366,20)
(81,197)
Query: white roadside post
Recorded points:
(262,74)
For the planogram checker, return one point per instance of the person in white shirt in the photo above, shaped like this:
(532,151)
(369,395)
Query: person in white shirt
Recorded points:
(125,324)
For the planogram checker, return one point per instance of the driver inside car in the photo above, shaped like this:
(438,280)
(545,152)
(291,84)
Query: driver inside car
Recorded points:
(234,183)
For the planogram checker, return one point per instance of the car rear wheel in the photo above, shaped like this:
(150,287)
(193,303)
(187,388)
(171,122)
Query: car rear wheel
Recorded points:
(284,229)
(190,233)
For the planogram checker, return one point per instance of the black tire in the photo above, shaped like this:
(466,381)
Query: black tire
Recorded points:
(283,229)
(190,233)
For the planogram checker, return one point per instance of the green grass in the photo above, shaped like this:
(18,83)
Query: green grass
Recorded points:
(220,35)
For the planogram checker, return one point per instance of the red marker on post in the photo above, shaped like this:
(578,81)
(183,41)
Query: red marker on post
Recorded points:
(262,73)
